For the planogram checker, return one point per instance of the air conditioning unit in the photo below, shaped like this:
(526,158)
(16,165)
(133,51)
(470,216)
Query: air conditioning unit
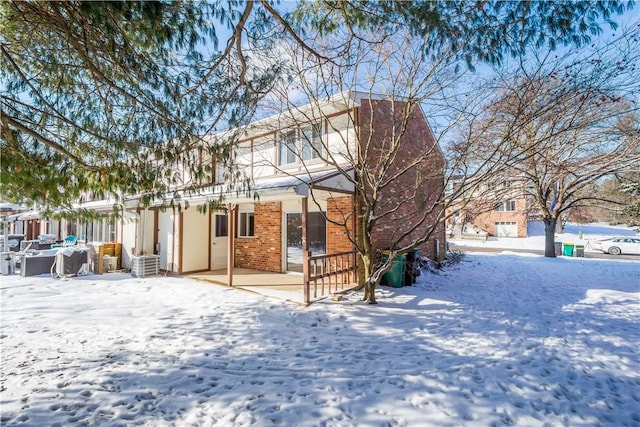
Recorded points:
(145,265)
(72,263)
(109,263)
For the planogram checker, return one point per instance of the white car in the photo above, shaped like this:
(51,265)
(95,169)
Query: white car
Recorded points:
(618,245)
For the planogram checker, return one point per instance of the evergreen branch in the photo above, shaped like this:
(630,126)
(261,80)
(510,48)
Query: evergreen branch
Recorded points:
(8,121)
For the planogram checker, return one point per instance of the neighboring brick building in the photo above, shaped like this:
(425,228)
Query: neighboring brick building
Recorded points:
(498,208)
(506,219)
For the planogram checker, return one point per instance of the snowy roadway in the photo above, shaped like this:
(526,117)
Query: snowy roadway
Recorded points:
(505,339)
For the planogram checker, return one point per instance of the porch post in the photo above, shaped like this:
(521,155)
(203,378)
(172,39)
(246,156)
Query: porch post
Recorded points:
(231,232)
(354,229)
(305,248)
(144,230)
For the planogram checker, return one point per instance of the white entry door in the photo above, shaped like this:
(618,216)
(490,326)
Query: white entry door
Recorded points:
(506,229)
(165,239)
(219,240)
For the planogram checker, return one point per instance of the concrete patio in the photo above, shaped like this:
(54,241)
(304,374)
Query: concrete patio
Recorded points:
(278,285)
(285,286)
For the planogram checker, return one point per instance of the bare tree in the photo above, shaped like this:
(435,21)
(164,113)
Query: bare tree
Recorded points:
(566,123)
(397,172)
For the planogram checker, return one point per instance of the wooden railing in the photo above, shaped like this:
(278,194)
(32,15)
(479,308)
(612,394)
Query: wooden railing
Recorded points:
(328,274)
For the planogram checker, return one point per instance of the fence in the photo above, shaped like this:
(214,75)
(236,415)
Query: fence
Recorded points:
(329,273)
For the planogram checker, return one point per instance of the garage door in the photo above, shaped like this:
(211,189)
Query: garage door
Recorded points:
(506,229)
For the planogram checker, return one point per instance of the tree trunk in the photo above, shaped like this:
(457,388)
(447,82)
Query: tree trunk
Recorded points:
(370,292)
(369,283)
(549,237)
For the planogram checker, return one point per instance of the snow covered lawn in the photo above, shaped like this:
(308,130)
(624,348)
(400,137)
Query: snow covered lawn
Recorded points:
(579,234)
(497,340)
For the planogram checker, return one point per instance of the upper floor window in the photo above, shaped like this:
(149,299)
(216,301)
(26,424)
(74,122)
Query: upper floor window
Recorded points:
(220,172)
(497,184)
(287,148)
(508,206)
(221,166)
(448,187)
(300,145)
(311,142)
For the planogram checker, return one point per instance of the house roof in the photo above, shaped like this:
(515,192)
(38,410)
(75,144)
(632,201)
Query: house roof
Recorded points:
(293,115)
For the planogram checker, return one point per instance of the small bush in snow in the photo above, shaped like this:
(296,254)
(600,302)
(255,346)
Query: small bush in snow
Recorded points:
(452,258)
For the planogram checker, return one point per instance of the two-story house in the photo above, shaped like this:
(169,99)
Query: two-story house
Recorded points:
(301,202)
(498,207)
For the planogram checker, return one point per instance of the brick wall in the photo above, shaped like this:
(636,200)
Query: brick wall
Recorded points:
(411,204)
(264,250)
(486,220)
(340,210)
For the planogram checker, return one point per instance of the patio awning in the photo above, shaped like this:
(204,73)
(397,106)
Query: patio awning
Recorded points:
(274,188)
(96,205)
(28,216)
(6,207)
(332,181)
(283,187)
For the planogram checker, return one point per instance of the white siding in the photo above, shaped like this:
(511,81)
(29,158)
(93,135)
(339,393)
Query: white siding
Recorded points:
(195,240)
(128,240)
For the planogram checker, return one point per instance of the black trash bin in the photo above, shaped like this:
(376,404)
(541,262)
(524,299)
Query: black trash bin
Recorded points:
(412,269)
(558,248)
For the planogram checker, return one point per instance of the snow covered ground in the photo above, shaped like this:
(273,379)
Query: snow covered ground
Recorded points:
(578,234)
(508,339)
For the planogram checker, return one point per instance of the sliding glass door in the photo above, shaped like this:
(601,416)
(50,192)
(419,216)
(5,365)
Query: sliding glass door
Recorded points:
(317,238)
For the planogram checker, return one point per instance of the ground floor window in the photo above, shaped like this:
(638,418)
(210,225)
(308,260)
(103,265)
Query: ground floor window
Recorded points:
(85,231)
(246,224)
(222,227)
(72,228)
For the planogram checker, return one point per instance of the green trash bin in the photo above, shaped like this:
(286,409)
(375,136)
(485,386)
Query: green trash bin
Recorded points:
(568,249)
(394,277)
(580,251)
